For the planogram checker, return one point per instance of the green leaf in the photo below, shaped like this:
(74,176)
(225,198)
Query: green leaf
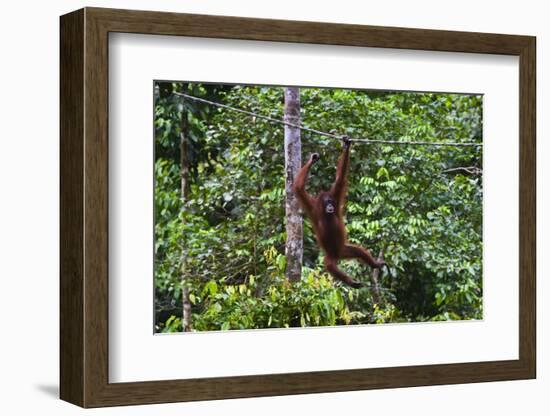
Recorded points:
(382,172)
(210,287)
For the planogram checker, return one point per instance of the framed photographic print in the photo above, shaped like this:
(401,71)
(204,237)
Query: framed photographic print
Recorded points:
(256,207)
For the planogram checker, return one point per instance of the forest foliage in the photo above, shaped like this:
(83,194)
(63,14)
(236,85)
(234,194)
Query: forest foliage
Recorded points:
(408,202)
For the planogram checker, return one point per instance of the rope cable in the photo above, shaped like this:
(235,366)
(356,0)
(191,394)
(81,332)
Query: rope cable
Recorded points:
(322,133)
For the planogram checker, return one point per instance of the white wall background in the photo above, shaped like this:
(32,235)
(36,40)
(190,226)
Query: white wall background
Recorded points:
(29,222)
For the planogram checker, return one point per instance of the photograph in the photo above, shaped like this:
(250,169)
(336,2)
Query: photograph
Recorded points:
(295,206)
(283,203)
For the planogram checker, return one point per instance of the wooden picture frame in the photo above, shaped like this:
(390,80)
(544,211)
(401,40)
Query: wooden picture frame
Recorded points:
(84,207)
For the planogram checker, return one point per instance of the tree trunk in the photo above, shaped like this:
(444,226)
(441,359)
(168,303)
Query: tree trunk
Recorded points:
(293,162)
(184,277)
(375,285)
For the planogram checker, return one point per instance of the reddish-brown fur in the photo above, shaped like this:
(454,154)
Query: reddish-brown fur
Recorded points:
(328,226)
